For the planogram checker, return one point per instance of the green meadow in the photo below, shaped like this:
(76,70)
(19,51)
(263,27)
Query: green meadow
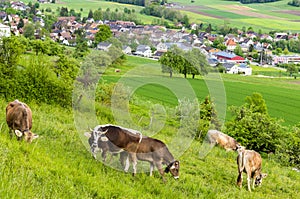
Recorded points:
(59,165)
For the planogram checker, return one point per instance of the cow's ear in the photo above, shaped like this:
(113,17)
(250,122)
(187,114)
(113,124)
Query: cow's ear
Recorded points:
(18,133)
(103,138)
(263,175)
(35,136)
(87,134)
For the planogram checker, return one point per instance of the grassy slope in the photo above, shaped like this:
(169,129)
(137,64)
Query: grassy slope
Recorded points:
(57,165)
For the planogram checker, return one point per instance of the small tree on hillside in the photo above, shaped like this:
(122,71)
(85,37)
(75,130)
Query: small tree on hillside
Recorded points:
(252,126)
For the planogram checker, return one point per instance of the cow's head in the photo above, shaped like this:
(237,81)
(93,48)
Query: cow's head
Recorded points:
(27,135)
(259,178)
(173,168)
(94,137)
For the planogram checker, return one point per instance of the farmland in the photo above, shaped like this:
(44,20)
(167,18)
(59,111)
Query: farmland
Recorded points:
(269,16)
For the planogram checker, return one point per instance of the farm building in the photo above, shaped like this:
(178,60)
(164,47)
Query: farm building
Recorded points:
(229,57)
(286,59)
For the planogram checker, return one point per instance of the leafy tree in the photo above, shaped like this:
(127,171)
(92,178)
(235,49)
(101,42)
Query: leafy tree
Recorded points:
(29,30)
(103,34)
(253,128)
(238,50)
(98,15)
(292,69)
(286,51)
(208,117)
(39,46)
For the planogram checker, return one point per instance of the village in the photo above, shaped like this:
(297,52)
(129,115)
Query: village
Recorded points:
(159,39)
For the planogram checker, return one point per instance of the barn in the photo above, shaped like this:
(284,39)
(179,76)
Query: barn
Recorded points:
(229,57)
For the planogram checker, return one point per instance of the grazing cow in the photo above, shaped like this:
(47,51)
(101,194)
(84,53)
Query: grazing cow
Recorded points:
(105,146)
(249,162)
(140,148)
(223,140)
(19,120)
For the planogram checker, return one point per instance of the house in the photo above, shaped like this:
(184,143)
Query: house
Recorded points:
(244,69)
(104,46)
(230,44)
(143,50)
(4,30)
(286,59)
(157,54)
(229,57)
(231,68)
(126,50)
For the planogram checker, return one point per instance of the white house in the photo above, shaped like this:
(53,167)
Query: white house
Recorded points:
(143,50)
(4,30)
(244,69)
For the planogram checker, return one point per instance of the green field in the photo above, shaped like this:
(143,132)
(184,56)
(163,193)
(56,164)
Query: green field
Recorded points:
(267,17)
(280,92)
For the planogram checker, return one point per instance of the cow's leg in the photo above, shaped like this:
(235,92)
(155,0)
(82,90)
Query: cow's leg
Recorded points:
(134,163)
(240,179)
(127,164)
(123,158)
(151,168)
(160,169)
(104,155)
(249,181)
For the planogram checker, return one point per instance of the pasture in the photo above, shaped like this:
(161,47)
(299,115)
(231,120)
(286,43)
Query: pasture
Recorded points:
(280,92)
(59,165)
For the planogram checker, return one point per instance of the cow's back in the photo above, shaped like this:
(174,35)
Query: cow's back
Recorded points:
(18,116)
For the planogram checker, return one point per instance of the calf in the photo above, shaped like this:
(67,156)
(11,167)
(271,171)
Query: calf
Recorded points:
(19,120)
(249,162)
(223,140)
(140,148)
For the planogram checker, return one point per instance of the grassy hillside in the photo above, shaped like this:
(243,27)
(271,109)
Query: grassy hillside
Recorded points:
(57,165)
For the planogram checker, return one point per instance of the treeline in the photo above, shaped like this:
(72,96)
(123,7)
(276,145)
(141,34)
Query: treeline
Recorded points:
(140,2)
(108,14)
(162,12)
(134,2)
(256,1)
(294,3)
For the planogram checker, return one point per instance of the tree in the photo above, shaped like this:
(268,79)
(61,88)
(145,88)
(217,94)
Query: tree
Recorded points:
(292,69)
(90,15)
(238,50)
(39,46)
(29,30)
(103,34)
(286,51)
(252,126)
(98,15)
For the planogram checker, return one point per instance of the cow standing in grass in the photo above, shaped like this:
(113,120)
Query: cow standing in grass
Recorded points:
(223,140)
(19,120)
(249,161)
(139,148)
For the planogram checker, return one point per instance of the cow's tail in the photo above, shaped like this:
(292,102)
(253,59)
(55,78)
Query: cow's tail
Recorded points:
(241,161)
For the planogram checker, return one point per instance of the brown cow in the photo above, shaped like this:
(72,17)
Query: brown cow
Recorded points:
(249,162)
(139,148)
(223,140)
(19,120)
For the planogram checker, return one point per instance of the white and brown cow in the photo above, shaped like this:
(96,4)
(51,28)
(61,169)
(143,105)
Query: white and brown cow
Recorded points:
(139,148)
(104,146)
(249,161)
(19,120)
(223,140)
